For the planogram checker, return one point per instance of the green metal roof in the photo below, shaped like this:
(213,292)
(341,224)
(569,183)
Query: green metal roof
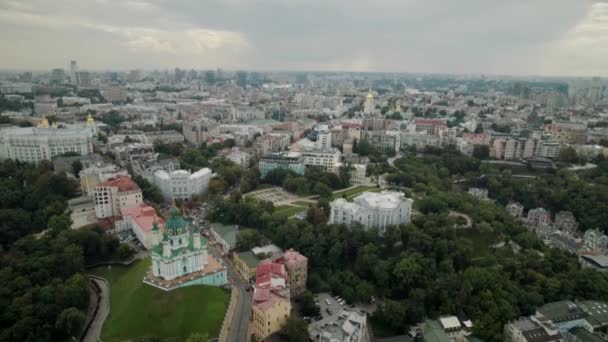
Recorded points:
(584,335)
(249,258)
(227,232)
(597,312)
(433,332)
(561,311)
(158,249)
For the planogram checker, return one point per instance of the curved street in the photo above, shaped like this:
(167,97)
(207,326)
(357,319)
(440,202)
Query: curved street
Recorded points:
(94,331)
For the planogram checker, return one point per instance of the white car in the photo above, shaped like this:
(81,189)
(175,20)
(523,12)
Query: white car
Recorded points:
(327,301)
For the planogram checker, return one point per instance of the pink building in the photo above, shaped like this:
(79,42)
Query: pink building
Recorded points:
(538,216)
(297,268)
(140,220)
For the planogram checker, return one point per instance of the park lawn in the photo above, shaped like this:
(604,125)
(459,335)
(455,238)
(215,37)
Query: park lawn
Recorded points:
(481,241)
(138,310)
(303,204)
(287,210)
(354,192)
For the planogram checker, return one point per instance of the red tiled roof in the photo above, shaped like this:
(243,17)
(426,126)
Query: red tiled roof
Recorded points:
(434,122)
(270,267)
(123,183)
(291,256)
(264,299)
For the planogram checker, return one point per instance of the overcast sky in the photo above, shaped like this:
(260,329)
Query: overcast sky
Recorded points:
(540,37)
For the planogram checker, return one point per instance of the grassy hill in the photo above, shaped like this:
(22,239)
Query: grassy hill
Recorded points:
(139,310)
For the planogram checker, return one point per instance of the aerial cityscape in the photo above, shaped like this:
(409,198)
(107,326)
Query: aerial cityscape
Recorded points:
(323,171)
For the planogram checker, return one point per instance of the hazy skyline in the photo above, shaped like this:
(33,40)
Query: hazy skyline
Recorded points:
(519,37)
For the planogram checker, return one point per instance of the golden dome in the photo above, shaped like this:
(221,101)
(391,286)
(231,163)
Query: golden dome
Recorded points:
(44,123)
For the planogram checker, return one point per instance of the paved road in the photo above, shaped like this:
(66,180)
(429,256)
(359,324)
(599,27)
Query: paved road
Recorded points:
(239,327)
(104,310)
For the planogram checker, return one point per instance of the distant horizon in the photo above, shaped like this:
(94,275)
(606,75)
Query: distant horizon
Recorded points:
(542,38)
(296,71)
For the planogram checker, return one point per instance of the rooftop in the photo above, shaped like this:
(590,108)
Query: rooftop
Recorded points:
(123,183)
(228,232)
(143,215)
(385,199)
(249,258)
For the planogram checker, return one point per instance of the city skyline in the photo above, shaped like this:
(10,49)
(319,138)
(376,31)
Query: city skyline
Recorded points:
(514,38)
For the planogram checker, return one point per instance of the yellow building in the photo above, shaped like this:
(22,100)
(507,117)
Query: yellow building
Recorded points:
(271,300)
(246,263)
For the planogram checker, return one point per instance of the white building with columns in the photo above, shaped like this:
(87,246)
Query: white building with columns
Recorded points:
(372,209)
(181,183)
(33,144)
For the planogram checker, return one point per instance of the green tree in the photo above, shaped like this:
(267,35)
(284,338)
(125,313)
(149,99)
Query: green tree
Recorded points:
(307,304)
(70,321)
(481,152)
(76,167)
(294,330)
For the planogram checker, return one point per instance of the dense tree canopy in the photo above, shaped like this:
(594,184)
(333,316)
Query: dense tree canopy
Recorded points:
(429,268)
(31,195)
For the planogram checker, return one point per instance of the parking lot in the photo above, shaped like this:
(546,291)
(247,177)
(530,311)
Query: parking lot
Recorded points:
(330,312)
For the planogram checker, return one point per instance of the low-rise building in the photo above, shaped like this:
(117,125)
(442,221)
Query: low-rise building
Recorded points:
(181,184)
(271,300)
(239,157)
(564,220)
(515,209)
(246,263)
(197,131)
(350,325)
(165,137)
(561,321)
(595,240)
(373,210)
(538,216)
(224,236)
(140,220)
(478,193)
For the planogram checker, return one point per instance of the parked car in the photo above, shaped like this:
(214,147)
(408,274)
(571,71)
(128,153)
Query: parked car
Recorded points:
(327,301)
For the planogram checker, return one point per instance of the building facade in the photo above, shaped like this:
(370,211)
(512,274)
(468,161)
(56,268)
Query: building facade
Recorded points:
(115,194)
(165,137)
(327,160)
(371,209)
(293,161)
(271,300)
(93,175)
(140,220)
(239,157)
(297,269)
(181,184)
(33,144)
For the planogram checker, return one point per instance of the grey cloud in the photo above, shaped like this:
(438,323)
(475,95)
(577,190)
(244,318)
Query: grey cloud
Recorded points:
(495,36)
